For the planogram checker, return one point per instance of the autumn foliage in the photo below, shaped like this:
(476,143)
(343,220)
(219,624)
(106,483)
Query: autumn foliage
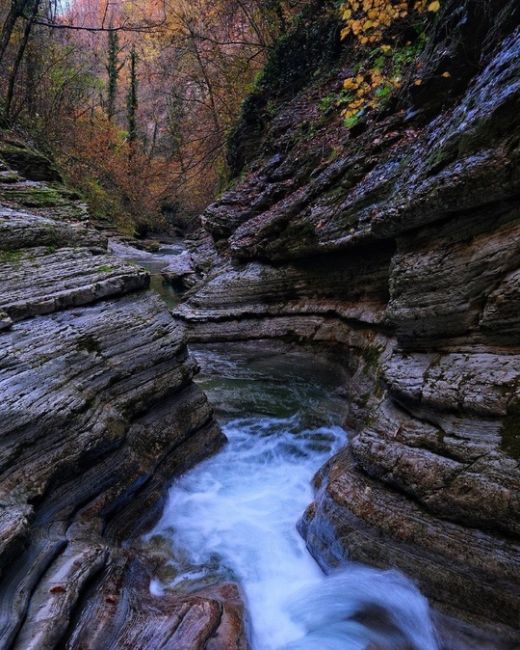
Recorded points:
(369,23)
(136,98)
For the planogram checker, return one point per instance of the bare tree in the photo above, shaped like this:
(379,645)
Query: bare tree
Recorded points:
(19,58)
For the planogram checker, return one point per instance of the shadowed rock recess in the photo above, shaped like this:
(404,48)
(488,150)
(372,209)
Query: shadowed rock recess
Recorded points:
(398,243)
(98,411)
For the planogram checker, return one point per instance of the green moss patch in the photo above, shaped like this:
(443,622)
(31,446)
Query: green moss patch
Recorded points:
(10,257)
(105,268)
(33,197)
(371,357)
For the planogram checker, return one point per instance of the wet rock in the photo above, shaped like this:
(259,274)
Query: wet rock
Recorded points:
(122,615)
(30,163)
(375,524)
(442,275)
(501,314)
(5,321)
(98,413)
(148,245)
(20,229)
(42,281)
(180,271)
(399,247)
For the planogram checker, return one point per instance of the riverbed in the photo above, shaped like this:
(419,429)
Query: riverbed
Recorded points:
(234,516)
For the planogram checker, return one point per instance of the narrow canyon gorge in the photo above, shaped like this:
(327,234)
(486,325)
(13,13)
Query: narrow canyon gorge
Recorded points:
(389,253)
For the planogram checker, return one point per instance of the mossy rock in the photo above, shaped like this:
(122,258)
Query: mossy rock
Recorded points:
(33,197)
(31,164)
(11,257)
(8,176)
(313,43)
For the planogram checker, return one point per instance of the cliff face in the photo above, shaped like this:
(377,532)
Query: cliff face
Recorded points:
(98,412)
(399,243)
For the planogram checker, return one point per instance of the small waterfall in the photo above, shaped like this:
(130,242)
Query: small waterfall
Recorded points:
(233,517)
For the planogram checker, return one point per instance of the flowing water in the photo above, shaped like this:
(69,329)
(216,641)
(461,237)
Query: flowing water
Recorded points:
(233,517)
(155,263)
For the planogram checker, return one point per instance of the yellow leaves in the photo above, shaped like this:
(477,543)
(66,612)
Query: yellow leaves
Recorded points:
(446,75)
(350,84)
(368,20)
(424,5)
(367,91)
(376,77)
(349,113)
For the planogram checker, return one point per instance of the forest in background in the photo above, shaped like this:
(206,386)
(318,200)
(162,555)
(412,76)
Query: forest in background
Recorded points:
(135,99)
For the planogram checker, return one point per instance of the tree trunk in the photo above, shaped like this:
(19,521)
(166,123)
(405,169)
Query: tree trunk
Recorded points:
(113,73)
(15,12)
(19,58)
(30,72)
(282,24)
(132,103)
(207,81)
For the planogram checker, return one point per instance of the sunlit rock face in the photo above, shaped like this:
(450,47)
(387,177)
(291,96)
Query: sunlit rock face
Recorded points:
(97,413)
(399,244)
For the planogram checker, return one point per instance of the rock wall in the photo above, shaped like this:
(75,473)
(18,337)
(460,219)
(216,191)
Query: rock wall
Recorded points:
(97,413)
(399,244)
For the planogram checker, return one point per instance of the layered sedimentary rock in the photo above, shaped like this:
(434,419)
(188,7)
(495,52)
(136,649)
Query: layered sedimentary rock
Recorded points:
(98,412)
(399,244)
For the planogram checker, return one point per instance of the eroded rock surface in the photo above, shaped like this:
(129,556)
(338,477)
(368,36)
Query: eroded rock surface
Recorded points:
(98,412)
(399,245)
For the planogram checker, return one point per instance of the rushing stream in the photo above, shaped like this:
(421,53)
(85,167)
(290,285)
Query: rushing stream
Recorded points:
(233,517)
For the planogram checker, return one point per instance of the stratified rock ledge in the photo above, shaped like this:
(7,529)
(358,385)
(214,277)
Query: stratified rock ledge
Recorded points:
(398,246)
(98,412)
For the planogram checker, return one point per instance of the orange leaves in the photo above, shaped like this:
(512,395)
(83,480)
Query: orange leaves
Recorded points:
(125,188)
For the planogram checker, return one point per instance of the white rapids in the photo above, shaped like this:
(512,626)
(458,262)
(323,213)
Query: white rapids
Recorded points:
(234,517)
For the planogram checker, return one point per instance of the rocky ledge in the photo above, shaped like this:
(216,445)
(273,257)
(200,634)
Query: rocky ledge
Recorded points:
(398,244)
(98,413)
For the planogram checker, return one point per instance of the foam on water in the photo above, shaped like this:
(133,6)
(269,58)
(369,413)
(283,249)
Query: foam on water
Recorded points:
(234,517)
